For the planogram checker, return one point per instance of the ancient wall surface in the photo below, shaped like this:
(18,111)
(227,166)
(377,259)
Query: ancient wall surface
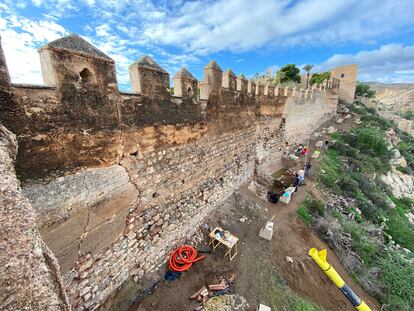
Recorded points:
(305,113)
(119,179)
(29,273)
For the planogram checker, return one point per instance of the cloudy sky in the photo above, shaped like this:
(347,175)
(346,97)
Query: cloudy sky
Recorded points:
(244,35)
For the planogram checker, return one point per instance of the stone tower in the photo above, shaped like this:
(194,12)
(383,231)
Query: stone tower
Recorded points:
(269,90)
(259,88)
(229,80)
(185,85)
(212,80)
(347,76)
(242,83)
(251,87)
(149,78)
(73,60)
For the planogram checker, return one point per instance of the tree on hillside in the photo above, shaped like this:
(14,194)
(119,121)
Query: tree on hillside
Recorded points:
(307,68)
(318,78)
(289,73)
(364,90)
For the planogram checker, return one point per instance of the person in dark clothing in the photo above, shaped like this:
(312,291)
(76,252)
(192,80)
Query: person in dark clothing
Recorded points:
(298,151)
(273,197)
(296,183)
(308,168)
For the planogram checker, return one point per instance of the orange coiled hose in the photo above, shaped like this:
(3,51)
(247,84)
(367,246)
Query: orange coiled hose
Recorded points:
(183,258)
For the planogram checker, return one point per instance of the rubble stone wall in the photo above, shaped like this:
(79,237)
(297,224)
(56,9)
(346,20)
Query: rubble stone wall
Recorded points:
(115,202)
(119,179)
(304,115)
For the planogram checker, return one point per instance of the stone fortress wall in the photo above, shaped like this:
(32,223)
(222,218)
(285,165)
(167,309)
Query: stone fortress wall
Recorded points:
(118,179)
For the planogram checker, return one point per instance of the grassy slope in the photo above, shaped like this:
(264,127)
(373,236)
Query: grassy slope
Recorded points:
(351,168)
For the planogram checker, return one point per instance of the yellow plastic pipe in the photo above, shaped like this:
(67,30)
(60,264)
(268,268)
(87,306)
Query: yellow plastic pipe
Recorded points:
(320,258)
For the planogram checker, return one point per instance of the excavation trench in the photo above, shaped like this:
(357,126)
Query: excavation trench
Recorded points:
(263,274)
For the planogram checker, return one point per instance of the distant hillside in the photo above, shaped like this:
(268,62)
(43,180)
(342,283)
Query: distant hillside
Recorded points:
(394,97)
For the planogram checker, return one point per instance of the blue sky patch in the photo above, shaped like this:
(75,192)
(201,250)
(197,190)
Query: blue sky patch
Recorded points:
(246,36)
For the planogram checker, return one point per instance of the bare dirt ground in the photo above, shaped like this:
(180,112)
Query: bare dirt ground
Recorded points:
(262,272)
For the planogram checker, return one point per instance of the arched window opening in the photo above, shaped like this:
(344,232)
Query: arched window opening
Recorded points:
(86,76)
(190,91)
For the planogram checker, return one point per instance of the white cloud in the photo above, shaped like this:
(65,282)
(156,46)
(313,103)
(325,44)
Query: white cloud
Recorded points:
(20,40)
(389,63)
(179,33)
(102,30)
(240,25)
(37,2)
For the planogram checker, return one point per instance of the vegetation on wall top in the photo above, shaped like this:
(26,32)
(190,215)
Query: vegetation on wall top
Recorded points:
(318,78)
(288,73)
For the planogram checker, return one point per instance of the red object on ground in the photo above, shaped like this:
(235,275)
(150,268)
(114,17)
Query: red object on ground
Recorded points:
(183,258)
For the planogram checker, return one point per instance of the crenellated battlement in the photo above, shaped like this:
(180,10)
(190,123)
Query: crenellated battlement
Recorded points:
(72,60)
(185,85)
(229,80)
(82,95)
(148,78)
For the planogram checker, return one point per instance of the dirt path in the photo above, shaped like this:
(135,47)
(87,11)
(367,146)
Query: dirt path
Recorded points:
(293,238)
(259,261)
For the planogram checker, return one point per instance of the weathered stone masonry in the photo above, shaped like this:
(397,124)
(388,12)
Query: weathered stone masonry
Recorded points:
(118,179)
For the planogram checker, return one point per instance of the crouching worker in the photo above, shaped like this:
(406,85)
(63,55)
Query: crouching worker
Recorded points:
(308,169)
(273,197)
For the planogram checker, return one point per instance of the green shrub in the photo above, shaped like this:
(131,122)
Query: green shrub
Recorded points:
(337,215)
(365,185)
(304,214)
(371,110)
(358,217)
(406,148)
(398,225)
(310,208)
(407,202)
(365,149)
(329,171)
(361,243)
(358,108)
(370,141)
(281,297)
(305,305)
(408,114)
(398,278)
(368,209)
(348,185)
(377,120)
(316,207)
(318,78)
(347,168)
(402,169)
(345,149)
(313,206)
(364,90)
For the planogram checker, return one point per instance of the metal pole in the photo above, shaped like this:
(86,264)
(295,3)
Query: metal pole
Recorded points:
(320,258)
